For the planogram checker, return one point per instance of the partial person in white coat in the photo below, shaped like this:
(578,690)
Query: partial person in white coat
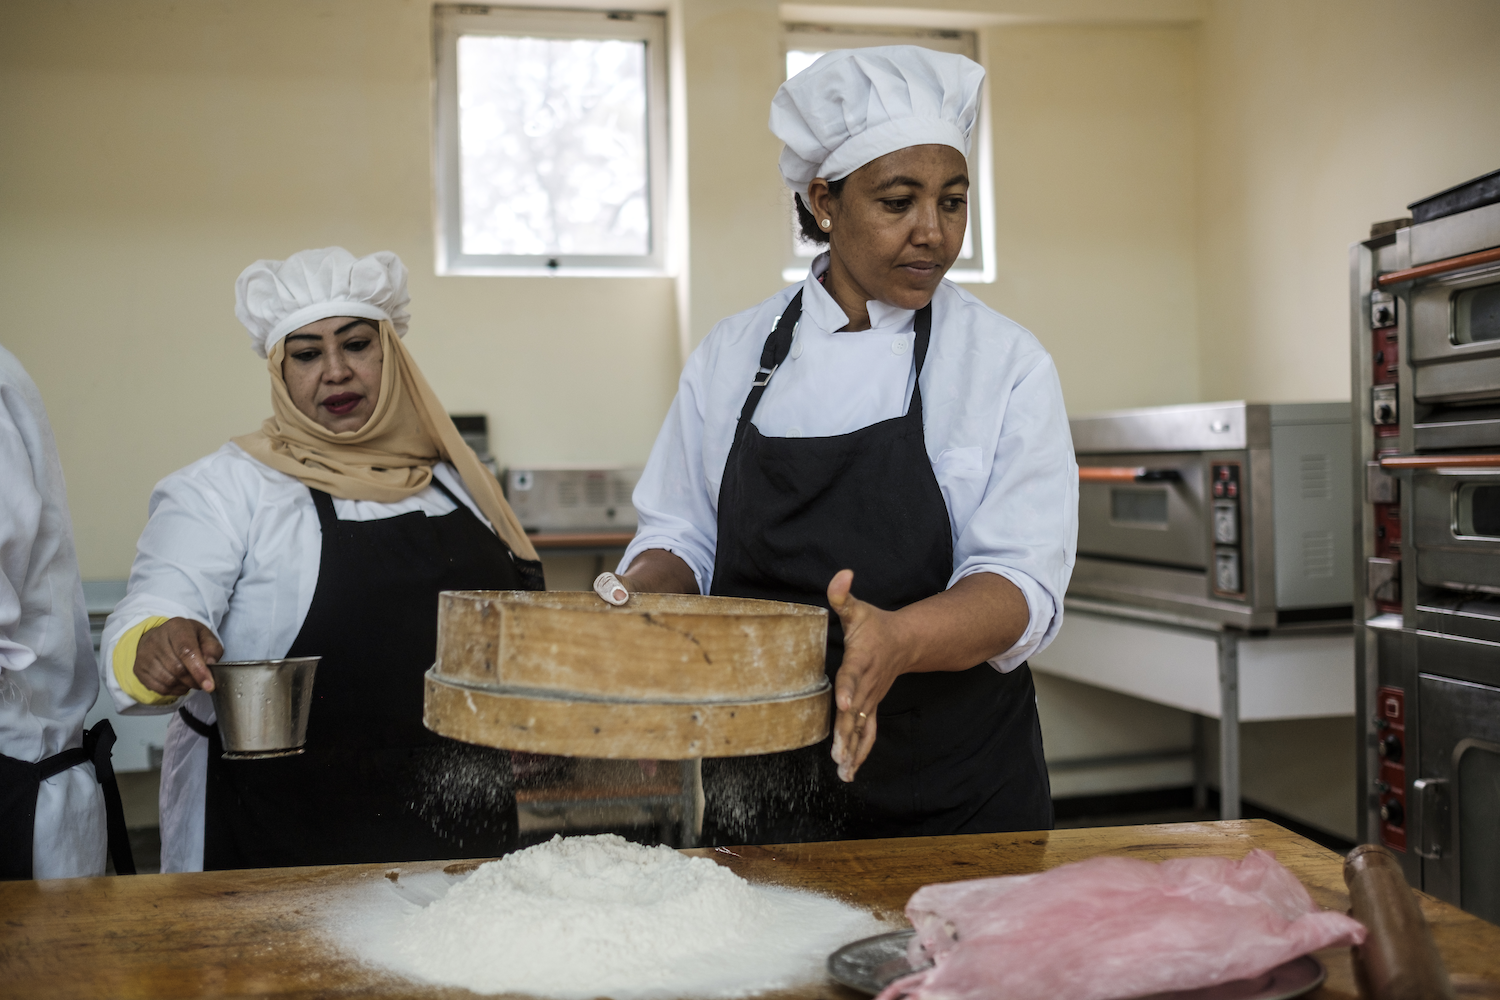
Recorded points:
(327,533)
(52,818)
(877,441)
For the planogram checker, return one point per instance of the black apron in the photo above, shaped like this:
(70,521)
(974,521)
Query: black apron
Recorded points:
(374,784)
(955,752)
(21,781)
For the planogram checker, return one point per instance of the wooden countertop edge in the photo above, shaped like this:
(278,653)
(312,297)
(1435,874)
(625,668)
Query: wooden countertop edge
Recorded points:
(207,933)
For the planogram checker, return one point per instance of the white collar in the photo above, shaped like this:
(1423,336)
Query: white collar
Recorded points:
(826,314)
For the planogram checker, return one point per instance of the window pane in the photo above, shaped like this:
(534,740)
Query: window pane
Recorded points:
(552,139)
(797,61)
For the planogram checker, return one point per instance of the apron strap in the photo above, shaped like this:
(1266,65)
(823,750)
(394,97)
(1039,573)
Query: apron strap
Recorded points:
(923,328)
(327,516)
(99,742)
(60,762)
(194,723)
(442,488)
(18,833)
(532,574)
(327,519)
(779,344)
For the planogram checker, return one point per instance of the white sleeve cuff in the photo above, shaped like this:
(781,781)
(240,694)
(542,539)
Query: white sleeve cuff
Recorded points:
(698,559)
(1041,628)
(117,625)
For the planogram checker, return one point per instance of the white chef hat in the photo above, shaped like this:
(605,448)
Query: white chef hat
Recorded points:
(852,106)
(274,297)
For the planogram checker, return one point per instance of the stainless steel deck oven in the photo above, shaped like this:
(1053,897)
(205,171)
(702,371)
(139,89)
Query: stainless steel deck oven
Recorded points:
(572,498)
(1236,512)
(1425,303)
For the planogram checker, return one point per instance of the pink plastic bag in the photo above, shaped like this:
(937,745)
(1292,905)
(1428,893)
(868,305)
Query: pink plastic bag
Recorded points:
(1113,928)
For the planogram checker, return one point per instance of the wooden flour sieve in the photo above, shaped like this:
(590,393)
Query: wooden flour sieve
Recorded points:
(666,677)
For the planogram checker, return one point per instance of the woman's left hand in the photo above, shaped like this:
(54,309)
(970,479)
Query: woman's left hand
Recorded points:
(875,654)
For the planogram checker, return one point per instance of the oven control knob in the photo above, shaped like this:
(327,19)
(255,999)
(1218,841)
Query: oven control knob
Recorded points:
(1392,812)
(1389,747)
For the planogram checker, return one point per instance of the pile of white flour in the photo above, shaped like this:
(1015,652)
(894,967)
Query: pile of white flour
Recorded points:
(588,917)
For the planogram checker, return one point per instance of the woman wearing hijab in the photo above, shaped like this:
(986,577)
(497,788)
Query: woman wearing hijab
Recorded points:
(876,441)
(329,532)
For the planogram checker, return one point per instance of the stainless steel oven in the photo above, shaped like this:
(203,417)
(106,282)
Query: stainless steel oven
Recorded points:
(1234,512)
(1425,306)
(572,498)
(1455,335)
(1456,550)
(1449,296)
(1456,785)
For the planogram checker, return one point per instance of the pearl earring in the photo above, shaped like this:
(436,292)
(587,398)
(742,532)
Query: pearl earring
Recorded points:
(826,224)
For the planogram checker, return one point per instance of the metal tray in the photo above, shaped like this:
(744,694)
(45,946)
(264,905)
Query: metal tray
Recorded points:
(869,965)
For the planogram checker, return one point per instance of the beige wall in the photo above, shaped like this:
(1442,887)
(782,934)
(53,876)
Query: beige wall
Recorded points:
(1318,119)
(737,212)
(152,149)
(1094,180)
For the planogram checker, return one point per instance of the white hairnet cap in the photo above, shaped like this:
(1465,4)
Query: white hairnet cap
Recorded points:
(274,297)
(852,106)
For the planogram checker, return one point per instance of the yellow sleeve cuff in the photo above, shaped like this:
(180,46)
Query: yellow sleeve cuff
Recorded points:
(124,665)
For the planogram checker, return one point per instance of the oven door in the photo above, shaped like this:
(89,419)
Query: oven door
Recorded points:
(1455,337)
(1456,543)
(1145,508)
(1457,792)
(1456,521)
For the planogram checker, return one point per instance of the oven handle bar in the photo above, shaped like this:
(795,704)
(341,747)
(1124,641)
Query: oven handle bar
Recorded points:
(1126,474)
(1440,462)
(1439,267)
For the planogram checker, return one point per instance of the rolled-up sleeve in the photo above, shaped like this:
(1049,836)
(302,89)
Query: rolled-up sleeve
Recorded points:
(1026,526)
(187,563)
(673,504)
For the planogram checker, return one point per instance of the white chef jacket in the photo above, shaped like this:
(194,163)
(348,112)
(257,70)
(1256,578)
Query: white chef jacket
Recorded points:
(236,545)
(47,679)
(993,419)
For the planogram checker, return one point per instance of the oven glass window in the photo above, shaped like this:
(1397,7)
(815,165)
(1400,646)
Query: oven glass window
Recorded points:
(1476,315)
(1478,819)
(1139,508)
(1479,510)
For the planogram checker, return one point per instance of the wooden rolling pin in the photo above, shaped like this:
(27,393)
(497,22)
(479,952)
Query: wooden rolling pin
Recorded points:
(1398,961)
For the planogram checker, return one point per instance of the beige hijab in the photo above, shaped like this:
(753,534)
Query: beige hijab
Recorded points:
(391,457)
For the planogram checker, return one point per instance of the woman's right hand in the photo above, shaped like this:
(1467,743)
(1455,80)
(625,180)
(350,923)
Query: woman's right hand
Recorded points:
(173,658)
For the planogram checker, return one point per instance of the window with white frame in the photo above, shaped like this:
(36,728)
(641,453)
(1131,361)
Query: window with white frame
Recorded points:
(551,141)
(804,43)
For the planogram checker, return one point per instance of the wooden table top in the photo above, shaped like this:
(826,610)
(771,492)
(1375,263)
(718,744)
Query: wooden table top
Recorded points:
(254,933)
(581,540)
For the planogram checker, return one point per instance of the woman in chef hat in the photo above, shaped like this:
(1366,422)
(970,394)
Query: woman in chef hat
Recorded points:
(329,532)
(877,441)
